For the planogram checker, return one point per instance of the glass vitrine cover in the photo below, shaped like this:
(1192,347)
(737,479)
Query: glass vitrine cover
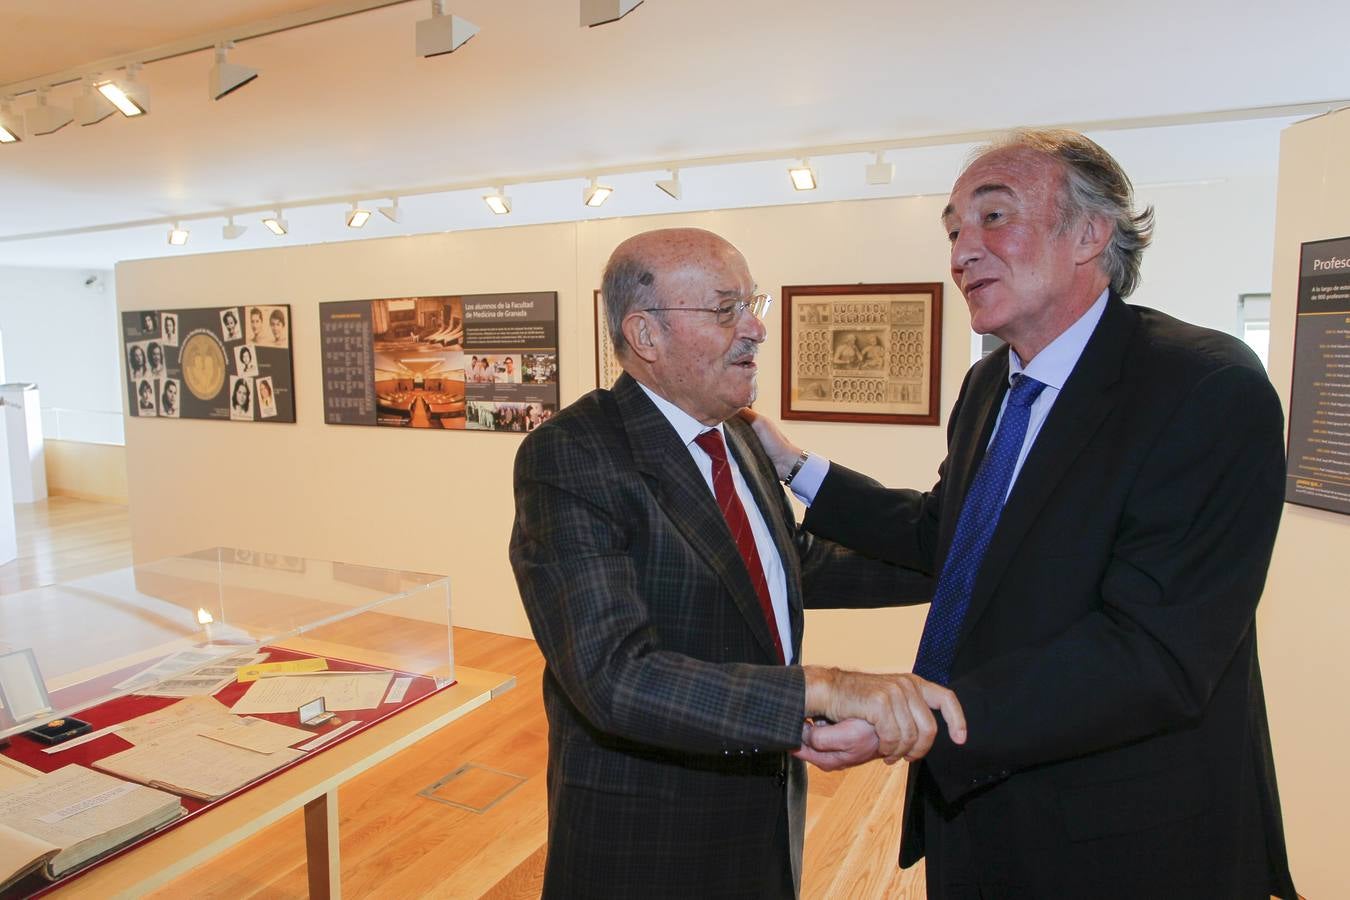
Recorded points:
(68,647)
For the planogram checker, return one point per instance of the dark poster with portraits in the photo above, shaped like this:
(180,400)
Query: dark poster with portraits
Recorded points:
(220,362)
(477,362)
(1318,473)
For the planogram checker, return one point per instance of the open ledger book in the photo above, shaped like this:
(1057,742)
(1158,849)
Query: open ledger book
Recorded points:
(63,819)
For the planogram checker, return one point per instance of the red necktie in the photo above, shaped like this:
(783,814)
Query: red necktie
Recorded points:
(734,512)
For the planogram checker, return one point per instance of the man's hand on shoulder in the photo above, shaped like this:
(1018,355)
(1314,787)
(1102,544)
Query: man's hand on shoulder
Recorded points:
(782,451)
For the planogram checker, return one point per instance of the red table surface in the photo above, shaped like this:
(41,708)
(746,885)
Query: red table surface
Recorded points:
(28,751)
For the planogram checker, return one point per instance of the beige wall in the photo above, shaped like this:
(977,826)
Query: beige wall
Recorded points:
(88,471)
(349,493)
(1305,617)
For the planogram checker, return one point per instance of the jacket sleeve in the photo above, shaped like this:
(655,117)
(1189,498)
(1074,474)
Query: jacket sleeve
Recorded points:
(581,589)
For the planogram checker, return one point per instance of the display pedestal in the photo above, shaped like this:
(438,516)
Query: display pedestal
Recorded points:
(312,786)
(9,542)
(23,432)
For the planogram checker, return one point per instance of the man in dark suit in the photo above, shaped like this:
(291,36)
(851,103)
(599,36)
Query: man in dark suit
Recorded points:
(1100,529)
(664,579)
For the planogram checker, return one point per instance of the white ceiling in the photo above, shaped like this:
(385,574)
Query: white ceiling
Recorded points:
(347,109)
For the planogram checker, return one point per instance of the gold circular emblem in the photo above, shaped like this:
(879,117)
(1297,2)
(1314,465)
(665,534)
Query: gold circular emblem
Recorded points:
(203,362)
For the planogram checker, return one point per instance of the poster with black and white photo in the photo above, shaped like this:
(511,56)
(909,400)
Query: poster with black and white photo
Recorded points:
(226,362)
(480,362)
(1318,473)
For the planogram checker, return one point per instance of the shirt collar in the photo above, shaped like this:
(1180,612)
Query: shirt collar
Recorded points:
(685,425)
(1053,365)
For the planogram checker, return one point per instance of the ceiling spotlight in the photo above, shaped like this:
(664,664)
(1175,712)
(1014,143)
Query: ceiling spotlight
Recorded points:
(357,217)
(11,126)
(226,77)
(178,235)
(803,177)
(671,185)
(599,12)
(230,231)
(92,107)
(880,172)
(392,212)
(276,224)
(442,34)
(44,118)
(127,94)
(595,194)
(498,202)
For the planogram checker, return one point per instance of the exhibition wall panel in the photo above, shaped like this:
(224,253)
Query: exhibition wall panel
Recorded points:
(1304,617)
(412,498)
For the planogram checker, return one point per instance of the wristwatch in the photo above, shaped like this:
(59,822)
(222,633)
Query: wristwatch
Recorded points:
(796,467)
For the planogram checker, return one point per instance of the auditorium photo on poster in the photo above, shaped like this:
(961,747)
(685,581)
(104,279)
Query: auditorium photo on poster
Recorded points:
(231,363)
(476,362)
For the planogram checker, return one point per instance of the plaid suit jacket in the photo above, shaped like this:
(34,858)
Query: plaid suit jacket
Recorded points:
(670,720)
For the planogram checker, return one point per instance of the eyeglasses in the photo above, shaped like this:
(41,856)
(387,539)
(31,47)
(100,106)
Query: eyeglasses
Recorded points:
(727,312)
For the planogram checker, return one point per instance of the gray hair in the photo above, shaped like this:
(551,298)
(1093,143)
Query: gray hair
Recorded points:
(1095,185)
(628,285)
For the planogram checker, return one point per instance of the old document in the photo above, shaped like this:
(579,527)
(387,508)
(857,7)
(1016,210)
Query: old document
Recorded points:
(340,691)
(85,813)
(258,735)
(195,766)
(188,716)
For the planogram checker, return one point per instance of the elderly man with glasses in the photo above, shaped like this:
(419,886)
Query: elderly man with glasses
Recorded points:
(665,578)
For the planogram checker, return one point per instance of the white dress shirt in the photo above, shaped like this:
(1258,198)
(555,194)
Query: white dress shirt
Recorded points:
(688,428)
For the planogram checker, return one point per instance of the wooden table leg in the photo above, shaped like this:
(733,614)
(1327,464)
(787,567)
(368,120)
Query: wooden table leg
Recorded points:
(321,847)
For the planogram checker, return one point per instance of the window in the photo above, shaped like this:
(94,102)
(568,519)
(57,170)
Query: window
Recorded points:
(1254,324)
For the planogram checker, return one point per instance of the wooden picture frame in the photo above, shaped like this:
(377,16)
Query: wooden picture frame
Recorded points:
(607,368)
(862,353)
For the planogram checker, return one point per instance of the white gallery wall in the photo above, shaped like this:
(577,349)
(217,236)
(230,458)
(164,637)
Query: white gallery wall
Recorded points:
(442,502)
(58,329)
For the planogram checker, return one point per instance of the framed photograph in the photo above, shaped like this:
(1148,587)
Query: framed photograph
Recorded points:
(607,368)
(862,353)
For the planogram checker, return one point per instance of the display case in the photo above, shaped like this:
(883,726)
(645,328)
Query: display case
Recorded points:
(183,683)
(69,647)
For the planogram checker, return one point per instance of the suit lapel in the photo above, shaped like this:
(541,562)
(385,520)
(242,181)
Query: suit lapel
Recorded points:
(763,483)
(1086,400)
(685,498)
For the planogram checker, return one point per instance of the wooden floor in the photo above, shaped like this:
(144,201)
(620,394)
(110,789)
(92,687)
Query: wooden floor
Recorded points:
(397,844)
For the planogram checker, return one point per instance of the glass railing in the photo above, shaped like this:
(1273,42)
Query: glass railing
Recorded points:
(88,426)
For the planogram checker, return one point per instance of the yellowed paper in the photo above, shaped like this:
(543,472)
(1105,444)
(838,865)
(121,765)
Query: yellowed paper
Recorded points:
(189,715)
(340,691)
(15,774)
(84,812)
(258,735)
(194,765)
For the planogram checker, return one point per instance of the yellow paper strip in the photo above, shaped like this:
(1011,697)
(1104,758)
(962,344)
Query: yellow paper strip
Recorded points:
(246,674)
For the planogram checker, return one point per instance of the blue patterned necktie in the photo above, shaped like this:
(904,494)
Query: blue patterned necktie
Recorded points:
(979,517)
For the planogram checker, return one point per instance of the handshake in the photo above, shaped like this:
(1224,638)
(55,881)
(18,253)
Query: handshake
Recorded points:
(877,716)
